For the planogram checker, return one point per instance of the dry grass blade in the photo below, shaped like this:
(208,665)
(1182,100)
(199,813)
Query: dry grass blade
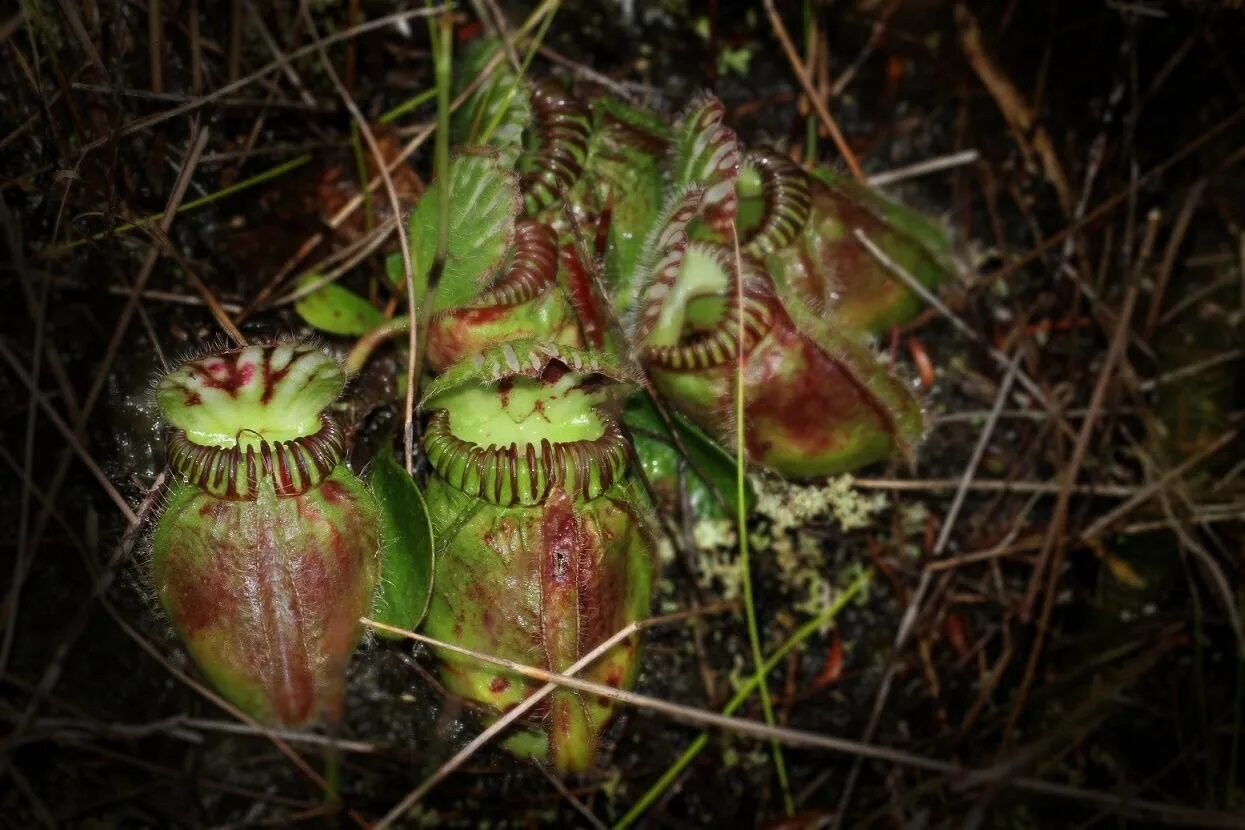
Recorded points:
(39,307)
(209,299)
(404,242)
(1027,130)
(789,737)
(70,437)
(1112,202)
(928,296)
(1148,492)
(565,792)
(924,168)
(284,748)
(1173,250)
(1054,548)
(502,723)
(908,621)
(818,102)
(942,485)
(1091,481)
(150,121)
(56,665)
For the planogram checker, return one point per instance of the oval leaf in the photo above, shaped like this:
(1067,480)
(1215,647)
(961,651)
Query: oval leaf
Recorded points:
(483,205)
(337,310)
(406,548)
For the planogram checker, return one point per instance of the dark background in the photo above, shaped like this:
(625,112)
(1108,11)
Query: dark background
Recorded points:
(1136,688)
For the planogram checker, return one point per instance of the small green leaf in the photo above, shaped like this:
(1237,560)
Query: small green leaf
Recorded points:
(406,547)
(336,310)
(484,203)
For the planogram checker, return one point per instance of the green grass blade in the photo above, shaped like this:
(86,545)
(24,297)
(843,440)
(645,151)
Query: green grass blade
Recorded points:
(742,695)
(745,569)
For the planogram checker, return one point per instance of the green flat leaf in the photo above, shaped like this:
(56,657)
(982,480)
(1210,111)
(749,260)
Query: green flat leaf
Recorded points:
(337,310)
(712,468)
(406,547)
(484,203)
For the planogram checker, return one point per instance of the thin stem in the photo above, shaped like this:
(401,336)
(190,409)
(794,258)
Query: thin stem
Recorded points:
(810,45)
(965,777)
(741,528)
(801,73)
(365,345)
(406,106)
(360,167)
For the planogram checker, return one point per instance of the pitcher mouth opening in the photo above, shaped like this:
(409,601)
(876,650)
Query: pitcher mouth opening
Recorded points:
(526,472)
(235,473)
(715,336)
(779,193)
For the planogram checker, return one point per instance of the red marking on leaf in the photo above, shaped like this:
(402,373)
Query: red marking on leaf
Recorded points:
(213,508)
(271,378)
(498,685)
(194,602)
(275,598)
(558,565)
(797,409)
(455,334)
(560,536)
(333,493)
(224,373)
(603,230)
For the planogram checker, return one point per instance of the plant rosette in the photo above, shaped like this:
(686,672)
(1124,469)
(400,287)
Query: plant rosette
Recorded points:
(544,550)
(266,554)
(817,401)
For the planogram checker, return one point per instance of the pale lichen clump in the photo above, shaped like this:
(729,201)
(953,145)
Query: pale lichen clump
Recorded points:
(717,568)
(790,505)
(798,553)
